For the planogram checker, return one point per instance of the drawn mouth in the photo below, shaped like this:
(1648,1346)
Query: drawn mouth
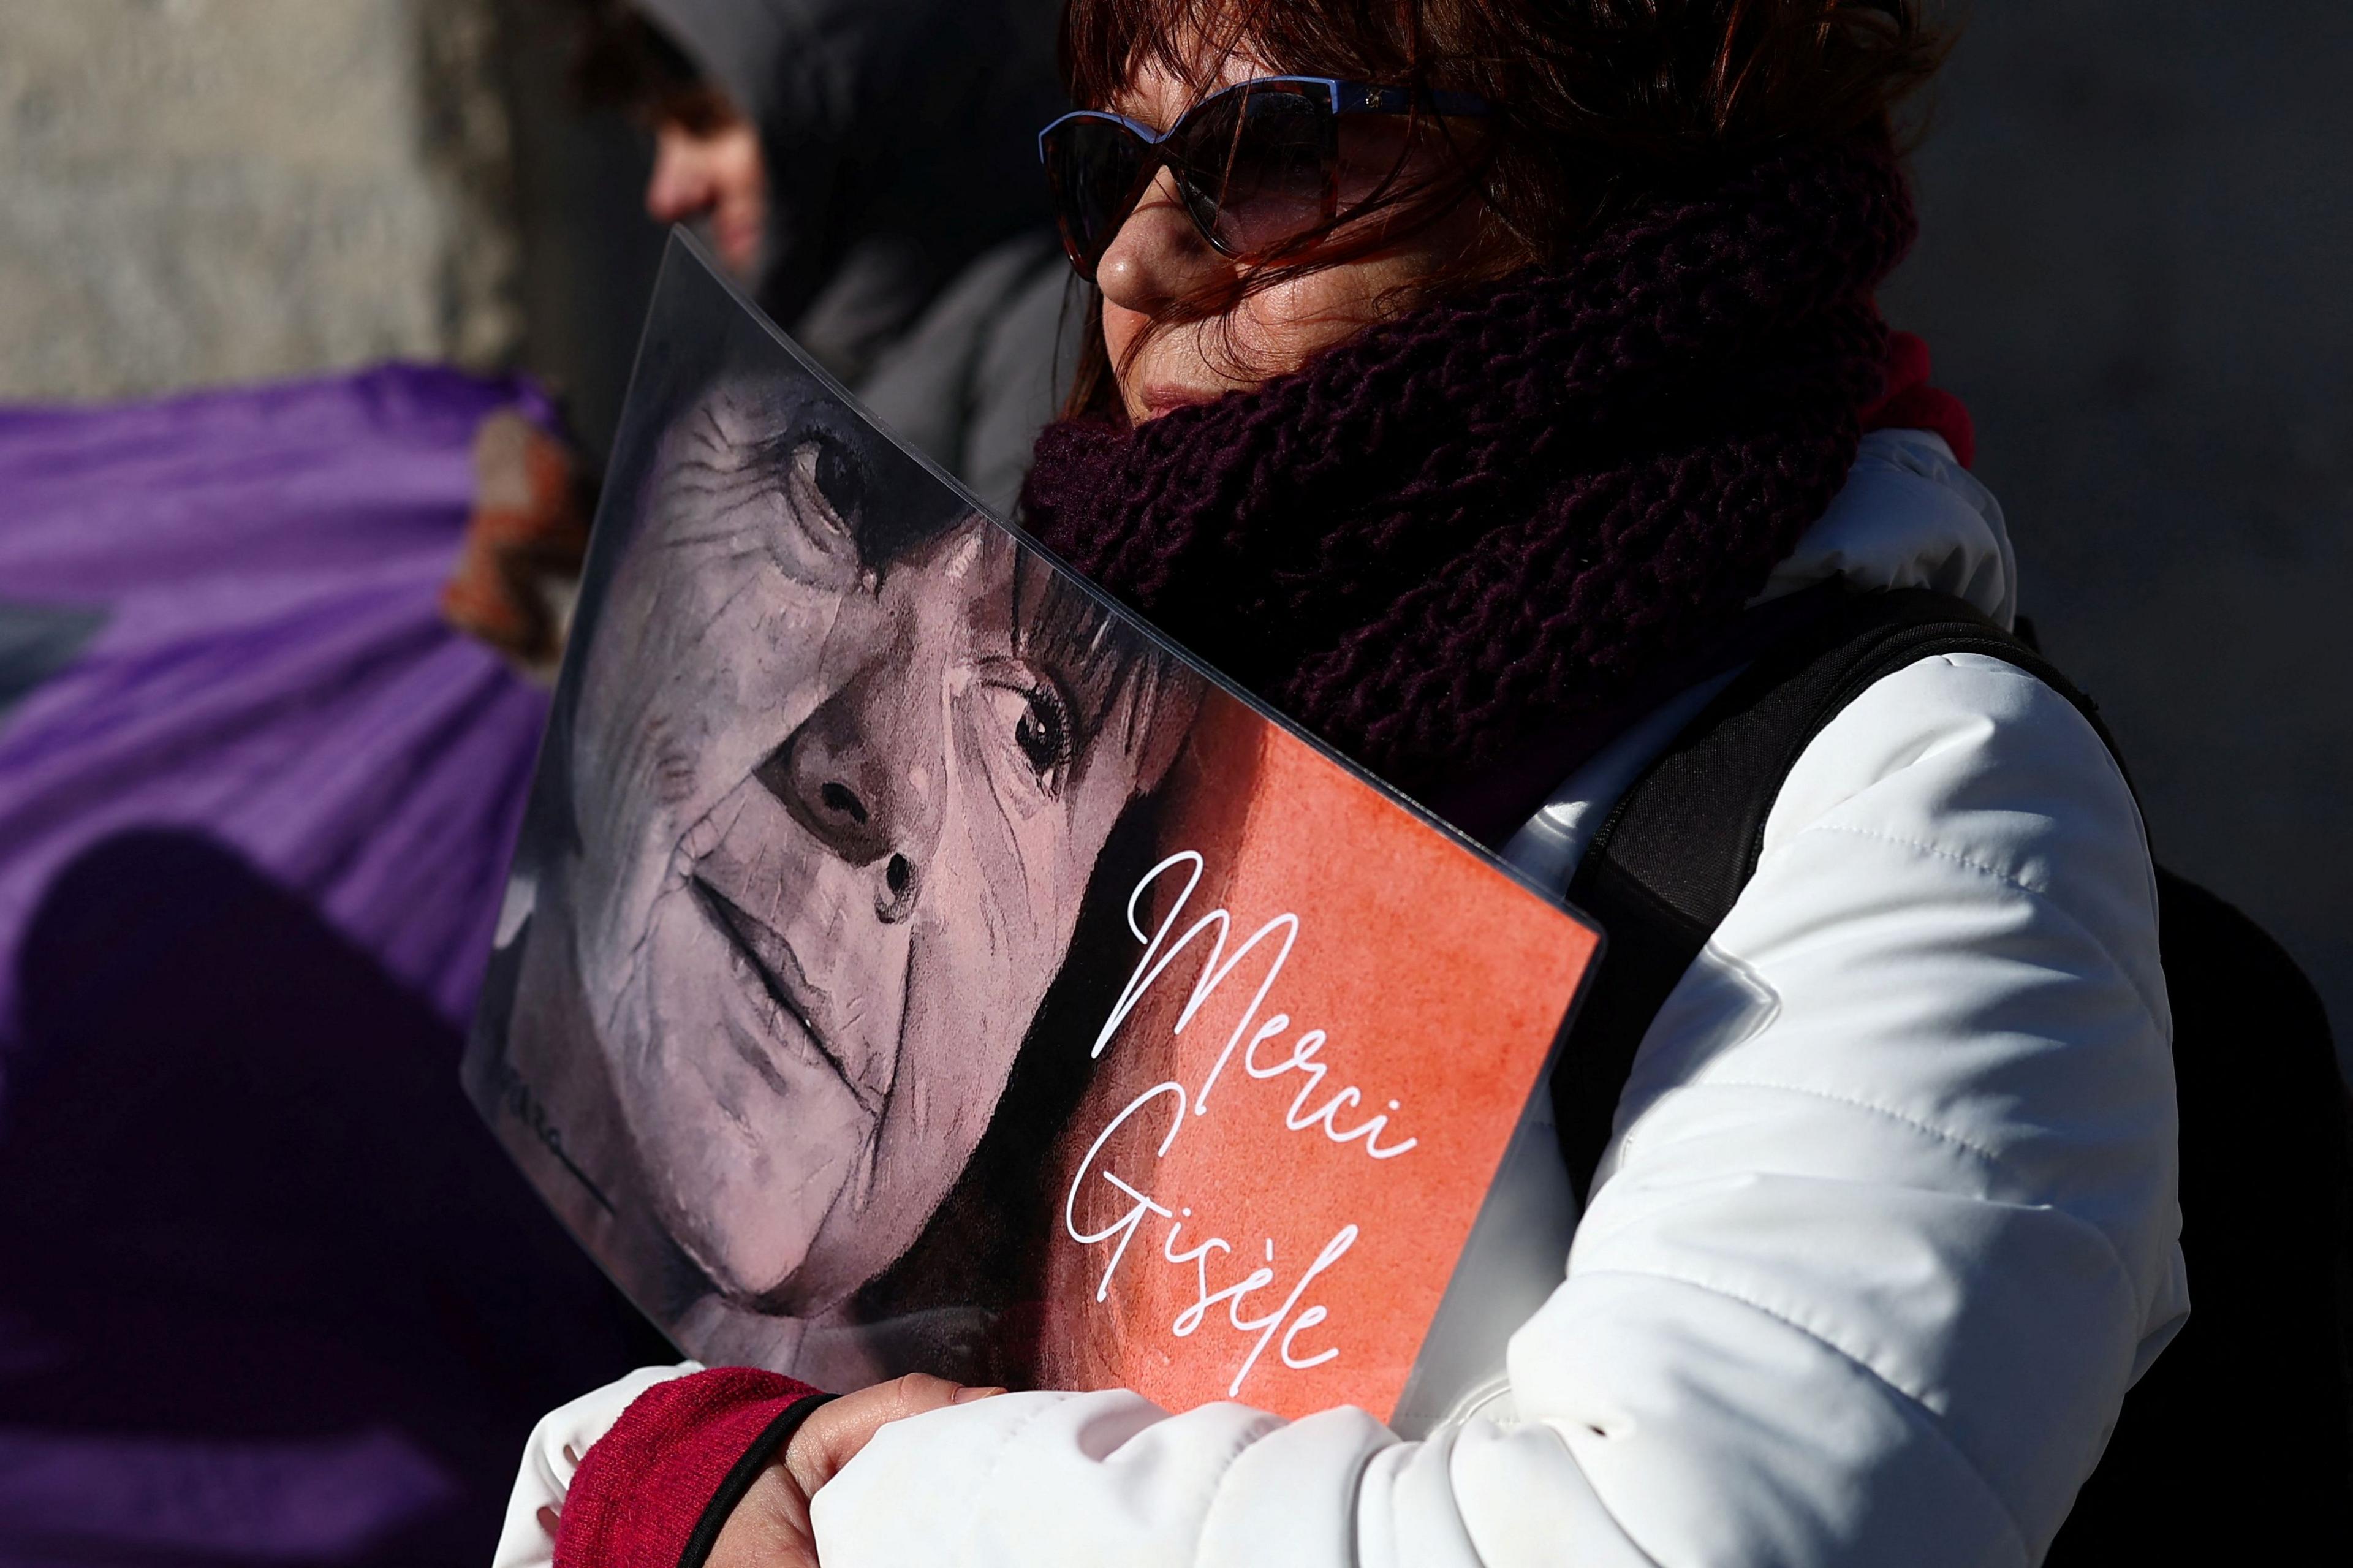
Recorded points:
(778,974)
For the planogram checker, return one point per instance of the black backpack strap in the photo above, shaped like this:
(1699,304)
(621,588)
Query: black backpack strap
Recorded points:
(1667,863)
(2267,1140)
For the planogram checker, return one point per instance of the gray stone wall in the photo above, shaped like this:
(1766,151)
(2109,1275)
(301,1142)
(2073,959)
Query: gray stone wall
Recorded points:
(198,191)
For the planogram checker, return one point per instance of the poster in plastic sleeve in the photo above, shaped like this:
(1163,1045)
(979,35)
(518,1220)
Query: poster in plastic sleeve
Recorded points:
(912,962)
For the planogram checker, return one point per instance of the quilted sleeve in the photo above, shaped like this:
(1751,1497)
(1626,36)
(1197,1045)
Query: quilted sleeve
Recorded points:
(1887,1229)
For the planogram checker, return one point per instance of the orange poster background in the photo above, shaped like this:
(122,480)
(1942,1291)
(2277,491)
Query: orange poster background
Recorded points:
(1439,981)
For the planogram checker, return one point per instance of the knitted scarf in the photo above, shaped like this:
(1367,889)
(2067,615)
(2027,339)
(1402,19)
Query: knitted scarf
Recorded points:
(1491,517)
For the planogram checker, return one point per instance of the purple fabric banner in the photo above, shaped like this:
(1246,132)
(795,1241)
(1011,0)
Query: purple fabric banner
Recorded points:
(268,1293)
(273,671)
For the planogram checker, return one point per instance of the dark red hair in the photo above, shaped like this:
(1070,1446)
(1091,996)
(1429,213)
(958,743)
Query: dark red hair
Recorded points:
(1602,106)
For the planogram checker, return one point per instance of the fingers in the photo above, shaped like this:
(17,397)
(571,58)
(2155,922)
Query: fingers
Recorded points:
(833,1435)
(904,1396)
(768,1529)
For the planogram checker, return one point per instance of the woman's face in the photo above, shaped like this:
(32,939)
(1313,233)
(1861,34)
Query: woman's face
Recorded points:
(1159,256)
(710,166)
(837,812)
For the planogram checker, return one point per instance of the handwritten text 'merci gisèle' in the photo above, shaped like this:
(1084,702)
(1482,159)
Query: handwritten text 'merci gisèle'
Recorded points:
(1263,1057)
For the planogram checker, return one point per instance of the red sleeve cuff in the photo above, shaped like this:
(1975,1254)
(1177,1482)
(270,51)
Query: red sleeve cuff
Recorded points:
(654,1491)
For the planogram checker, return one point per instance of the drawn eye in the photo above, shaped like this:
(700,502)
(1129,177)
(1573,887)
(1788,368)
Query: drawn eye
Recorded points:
(1032,713)
(1043,732)
(826,484)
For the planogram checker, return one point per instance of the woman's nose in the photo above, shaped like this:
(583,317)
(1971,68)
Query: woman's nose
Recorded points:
(681,187)
(1158,256)
(864,773)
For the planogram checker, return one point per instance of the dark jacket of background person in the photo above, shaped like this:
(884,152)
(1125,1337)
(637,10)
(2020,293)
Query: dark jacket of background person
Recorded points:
(983,369)
(908,246)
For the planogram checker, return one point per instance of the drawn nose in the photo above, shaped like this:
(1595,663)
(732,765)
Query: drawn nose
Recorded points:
(859,774)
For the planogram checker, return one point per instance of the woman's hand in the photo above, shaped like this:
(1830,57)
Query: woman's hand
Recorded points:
(770,1528)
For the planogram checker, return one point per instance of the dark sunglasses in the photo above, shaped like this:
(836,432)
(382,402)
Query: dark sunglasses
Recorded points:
(1258,165)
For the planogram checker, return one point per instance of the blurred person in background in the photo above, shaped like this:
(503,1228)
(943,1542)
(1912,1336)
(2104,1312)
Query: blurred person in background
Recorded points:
(867,170)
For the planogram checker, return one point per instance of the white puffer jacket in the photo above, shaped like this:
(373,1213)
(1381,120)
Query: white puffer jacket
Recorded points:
(1887,1229)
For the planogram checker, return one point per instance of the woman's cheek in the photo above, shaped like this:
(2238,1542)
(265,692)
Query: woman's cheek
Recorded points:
(763,663)
(1059,865)
(997,907)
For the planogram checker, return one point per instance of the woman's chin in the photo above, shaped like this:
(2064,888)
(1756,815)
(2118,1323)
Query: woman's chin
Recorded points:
(748,1270)
(750,1264)
(738,242)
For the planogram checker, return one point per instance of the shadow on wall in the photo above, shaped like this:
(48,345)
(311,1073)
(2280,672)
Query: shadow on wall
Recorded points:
(269,1290)
(2135,216)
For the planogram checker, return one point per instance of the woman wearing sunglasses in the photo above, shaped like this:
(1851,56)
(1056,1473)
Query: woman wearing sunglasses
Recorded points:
(1482,381)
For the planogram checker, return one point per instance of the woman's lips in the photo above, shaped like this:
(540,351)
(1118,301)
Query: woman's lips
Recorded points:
(781,978)
(1160,399)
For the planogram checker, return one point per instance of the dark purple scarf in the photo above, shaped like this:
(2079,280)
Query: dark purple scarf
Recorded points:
(1495,519)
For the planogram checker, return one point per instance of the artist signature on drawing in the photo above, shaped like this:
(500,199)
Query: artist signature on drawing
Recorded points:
(1181,1105)
(515,1098)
